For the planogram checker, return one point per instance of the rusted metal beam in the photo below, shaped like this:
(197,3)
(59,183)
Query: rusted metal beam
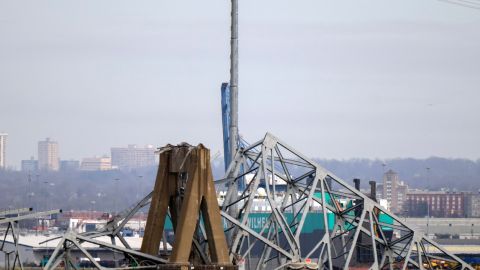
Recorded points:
(185,188)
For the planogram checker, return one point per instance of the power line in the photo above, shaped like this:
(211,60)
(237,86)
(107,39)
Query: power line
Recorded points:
(463,3)
(470,2)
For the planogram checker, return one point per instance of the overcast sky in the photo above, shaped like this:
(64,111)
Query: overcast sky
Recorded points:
(334,79)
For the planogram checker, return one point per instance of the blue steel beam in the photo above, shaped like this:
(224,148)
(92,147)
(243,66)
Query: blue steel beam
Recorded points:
(227,153)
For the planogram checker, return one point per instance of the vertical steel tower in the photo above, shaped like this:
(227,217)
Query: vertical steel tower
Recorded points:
(234,80)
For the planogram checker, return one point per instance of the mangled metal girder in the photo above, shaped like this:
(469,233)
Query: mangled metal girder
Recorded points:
(71,241)
(185,193)
(12,228)
(357,231)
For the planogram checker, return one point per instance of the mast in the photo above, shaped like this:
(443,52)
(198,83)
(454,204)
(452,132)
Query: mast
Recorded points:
(234,80)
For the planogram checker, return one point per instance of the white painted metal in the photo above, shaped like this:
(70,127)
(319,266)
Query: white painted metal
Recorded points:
(364,234)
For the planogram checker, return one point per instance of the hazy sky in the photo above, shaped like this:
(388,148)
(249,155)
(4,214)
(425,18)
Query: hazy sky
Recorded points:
(334,79)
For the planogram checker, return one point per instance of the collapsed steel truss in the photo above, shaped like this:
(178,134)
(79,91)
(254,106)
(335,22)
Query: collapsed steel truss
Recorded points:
(71,240)
(184,177)
(357,231)
(113,228)
(361,232)
(11,218)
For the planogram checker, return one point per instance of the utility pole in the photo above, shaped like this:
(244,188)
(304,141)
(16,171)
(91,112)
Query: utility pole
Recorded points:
(139,190)
(428,201)
(234,80)
(115,196)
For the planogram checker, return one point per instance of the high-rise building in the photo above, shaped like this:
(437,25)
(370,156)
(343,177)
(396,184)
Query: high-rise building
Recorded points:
(394,191)
(48,155)
(472,207)
(443,204)
(96,164)
(30,165)
(132,157)
(3,146)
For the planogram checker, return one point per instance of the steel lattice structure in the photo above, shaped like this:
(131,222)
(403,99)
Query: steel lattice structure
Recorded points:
(71,240)
(363,232)
(117,223)
(112,229)
(12,228)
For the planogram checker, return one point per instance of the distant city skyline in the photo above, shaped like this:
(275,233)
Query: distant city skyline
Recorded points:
(126,158)
(349,79)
